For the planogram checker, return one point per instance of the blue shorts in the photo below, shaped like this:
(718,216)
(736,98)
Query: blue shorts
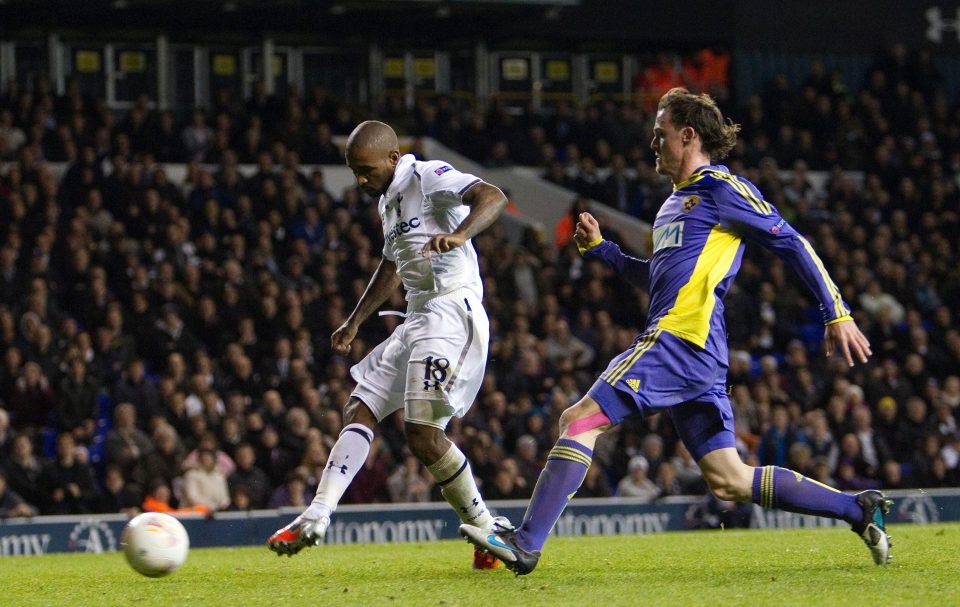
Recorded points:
(662,371)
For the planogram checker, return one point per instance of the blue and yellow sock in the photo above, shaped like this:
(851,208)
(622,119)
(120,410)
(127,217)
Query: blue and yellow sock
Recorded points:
(566,467)
(775,487)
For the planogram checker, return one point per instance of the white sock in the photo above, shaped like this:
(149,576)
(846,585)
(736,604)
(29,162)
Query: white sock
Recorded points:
(346,458)
(452,472)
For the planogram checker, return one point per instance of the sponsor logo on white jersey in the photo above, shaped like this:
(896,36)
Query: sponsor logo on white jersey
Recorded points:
(402,227)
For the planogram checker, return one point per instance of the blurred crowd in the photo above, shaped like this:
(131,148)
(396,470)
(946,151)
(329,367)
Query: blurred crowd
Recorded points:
(165,345)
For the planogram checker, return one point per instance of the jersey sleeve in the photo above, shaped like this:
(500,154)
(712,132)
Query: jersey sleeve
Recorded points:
(743,210)
(443,184)
(633,270)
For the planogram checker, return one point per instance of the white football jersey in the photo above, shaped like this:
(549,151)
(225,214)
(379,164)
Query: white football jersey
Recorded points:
(426,199)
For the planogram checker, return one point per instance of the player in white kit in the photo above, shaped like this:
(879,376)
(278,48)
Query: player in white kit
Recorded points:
(432,365)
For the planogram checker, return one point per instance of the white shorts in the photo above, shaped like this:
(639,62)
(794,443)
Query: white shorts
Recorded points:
(432,365)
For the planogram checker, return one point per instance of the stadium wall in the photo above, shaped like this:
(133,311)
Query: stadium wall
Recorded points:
(390,523)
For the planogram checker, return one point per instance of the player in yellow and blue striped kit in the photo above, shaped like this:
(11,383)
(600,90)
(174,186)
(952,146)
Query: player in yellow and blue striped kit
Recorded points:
(679,362)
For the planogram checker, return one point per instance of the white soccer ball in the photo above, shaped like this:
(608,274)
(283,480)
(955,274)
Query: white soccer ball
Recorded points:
(155,544)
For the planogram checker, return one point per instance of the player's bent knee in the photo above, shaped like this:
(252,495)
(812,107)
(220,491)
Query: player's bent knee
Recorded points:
(575,421)
(357,412)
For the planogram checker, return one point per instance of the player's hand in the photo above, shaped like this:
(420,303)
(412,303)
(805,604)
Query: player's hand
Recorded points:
(441,243)
(343,337)
(846,336)
(587,232)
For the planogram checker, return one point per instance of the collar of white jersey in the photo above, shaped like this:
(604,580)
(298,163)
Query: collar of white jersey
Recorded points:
(401,174)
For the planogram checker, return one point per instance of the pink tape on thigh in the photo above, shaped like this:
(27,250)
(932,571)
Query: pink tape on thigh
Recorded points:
(588,423)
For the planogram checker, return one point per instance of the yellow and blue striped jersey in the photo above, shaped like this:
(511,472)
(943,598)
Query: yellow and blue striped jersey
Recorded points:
(698,242)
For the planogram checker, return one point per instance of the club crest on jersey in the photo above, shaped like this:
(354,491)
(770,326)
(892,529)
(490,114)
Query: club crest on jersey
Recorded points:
(443,169)
(689,202)
(668,236)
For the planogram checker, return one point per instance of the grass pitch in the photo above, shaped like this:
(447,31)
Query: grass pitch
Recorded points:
(780,567)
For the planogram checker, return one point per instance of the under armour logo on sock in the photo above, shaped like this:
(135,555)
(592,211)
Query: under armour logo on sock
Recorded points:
(331,465)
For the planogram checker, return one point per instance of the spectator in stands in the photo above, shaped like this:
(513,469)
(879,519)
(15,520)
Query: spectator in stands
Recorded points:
(914,427)
(820,439)
(776,441)
(621,189)
(651,448)
(560,345)
(247,473)
(208,441)
(117,495)
(667,482)
(687,470)
(504,486)
(126,445)
(29,475)
(74,488)
(11,503)
(76,405)
(165,460)
(239,499)
(12,137)
(595,483)
(292,493)
(370,484)
(134,388)
(205,485)
(848,479)
(873,447)
(407,483)
(636,483)
(799,458)
(12,276)
(32,399)
(158,499)
(528,459)
(197,137)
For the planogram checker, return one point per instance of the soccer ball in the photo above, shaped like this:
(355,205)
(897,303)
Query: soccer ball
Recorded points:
(155,544)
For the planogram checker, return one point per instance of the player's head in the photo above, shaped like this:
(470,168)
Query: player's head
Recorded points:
(372,154)
(688,124)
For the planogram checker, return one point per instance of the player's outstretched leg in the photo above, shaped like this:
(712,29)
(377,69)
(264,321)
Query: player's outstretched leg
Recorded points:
(453,474)
(775,487)
(346,458)
(565,470)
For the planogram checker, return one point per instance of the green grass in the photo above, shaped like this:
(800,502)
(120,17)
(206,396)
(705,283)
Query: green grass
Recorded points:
(783,567)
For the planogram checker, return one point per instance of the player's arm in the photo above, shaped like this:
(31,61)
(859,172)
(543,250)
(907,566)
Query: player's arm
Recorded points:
(486,202)
(742,209)
(383,283)
(591,244)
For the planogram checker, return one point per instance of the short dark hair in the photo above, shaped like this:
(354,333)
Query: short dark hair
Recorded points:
(701,113)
